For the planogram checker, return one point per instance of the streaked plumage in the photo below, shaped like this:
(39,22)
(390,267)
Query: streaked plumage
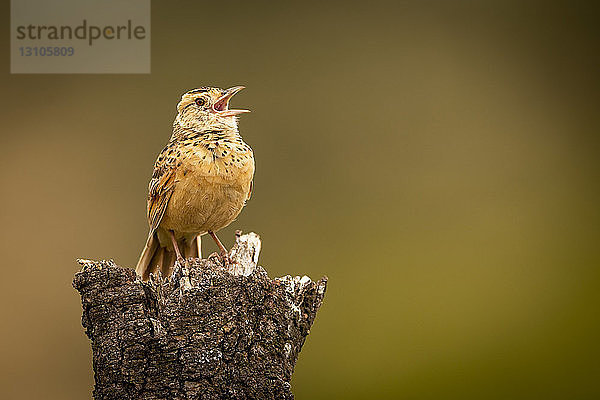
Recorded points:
(201,179)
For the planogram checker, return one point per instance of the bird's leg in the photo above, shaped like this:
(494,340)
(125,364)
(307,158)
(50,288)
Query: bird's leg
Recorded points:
(199,244)
(177,252)
(224,252)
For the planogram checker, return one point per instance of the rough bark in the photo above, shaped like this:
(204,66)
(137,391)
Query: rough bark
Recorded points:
(207,332)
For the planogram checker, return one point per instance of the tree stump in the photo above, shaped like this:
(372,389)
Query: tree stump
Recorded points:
(206,332)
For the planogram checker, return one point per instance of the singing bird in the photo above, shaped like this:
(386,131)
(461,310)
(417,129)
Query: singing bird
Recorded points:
(201,180)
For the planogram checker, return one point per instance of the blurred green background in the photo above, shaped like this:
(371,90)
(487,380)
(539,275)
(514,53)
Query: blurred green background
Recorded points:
(438,160)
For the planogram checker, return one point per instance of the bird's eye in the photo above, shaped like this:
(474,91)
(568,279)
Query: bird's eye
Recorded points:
(200,101)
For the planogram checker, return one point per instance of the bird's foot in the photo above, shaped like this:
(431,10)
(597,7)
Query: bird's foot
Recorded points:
(214,257)
(226,259)
(181,260)
(223,258)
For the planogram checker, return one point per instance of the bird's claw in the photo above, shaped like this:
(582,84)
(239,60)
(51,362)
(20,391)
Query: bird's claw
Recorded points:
(223,258)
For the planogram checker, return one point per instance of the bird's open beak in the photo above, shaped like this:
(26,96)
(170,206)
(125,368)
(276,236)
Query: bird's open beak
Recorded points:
(221,106)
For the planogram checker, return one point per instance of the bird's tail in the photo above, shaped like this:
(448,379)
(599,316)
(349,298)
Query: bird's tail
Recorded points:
(155,257)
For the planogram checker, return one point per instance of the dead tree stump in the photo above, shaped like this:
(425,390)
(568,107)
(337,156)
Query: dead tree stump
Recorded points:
(208,332)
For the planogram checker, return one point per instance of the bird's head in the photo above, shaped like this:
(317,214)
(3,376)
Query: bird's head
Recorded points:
(207,108)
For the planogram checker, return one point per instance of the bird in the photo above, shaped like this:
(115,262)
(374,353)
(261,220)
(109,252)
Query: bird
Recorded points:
(201,180)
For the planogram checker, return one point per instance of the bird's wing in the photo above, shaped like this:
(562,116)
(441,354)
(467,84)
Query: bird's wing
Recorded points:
(161,187)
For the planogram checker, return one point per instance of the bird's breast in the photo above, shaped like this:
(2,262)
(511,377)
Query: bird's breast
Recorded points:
(218,164)
(211,188)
